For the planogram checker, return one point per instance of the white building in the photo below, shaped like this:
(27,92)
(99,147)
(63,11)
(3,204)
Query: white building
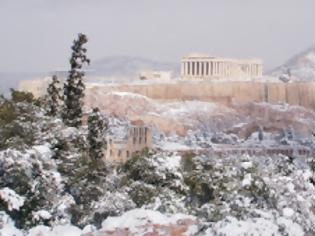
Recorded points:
(204,67)
(156,75)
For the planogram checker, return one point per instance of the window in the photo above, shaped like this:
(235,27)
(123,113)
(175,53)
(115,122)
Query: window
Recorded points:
(119,153)
(111,152)
(140,140)
(145,140)
(134,140)
(127,154)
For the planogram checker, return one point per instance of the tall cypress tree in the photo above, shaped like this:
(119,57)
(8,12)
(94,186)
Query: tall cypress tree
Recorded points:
(96,127)
(54,97)
(74,86)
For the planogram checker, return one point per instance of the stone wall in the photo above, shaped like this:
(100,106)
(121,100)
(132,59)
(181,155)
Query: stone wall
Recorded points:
(225,92)
(297,93)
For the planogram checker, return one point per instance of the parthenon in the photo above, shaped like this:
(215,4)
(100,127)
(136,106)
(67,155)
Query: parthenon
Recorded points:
(205,67)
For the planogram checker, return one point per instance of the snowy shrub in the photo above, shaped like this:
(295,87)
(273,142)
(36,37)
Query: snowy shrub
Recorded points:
(187,161)
(142,193)
(200,191)
(141,168)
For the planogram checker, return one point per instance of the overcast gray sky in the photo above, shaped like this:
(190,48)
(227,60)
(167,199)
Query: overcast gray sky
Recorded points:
(35,35)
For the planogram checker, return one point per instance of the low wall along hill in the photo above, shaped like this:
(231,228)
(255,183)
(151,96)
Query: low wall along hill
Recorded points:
(238,92)
(225,92)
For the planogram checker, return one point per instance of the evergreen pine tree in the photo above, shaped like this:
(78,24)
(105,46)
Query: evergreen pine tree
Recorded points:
(54,96)
(96,126)
(74,86)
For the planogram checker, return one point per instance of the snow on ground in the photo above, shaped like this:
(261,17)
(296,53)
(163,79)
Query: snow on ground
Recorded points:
(178,109)
(259,226)
(173,146)
(135,219)
(128,95)
(7,227)
(61,230)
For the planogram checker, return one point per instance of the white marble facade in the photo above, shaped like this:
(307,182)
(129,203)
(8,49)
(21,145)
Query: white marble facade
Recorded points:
(205,67)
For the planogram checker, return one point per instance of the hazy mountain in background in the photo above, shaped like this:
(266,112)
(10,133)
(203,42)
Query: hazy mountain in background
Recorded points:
(11,80)
(116,68)
(128,67)
(301,66)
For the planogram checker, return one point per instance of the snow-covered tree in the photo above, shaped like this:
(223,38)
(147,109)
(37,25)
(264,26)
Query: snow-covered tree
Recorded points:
(96,126)
(74,86)
(54,96)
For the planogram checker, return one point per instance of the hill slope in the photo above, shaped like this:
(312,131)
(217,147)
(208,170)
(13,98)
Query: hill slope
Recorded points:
(301,66)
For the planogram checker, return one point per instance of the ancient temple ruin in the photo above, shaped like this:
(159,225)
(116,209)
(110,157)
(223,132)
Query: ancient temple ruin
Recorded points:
(204,67)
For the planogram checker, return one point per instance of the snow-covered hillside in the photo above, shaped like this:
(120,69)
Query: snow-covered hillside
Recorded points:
(301,66)
(181,116)
(51,186)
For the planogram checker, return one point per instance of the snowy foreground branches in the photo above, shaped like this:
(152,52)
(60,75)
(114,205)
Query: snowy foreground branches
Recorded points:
(158,192)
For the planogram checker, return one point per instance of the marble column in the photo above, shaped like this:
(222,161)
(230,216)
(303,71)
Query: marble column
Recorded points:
(218,68)
(196,68)
(185,68)
(211,67)
(208,68)
(201,68)
(223,68)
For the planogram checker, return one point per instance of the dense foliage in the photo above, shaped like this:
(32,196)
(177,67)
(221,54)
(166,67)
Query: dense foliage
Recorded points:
(54,97)
(96,128)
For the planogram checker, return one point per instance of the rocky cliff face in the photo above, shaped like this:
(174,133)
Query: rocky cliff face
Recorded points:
(181,116)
